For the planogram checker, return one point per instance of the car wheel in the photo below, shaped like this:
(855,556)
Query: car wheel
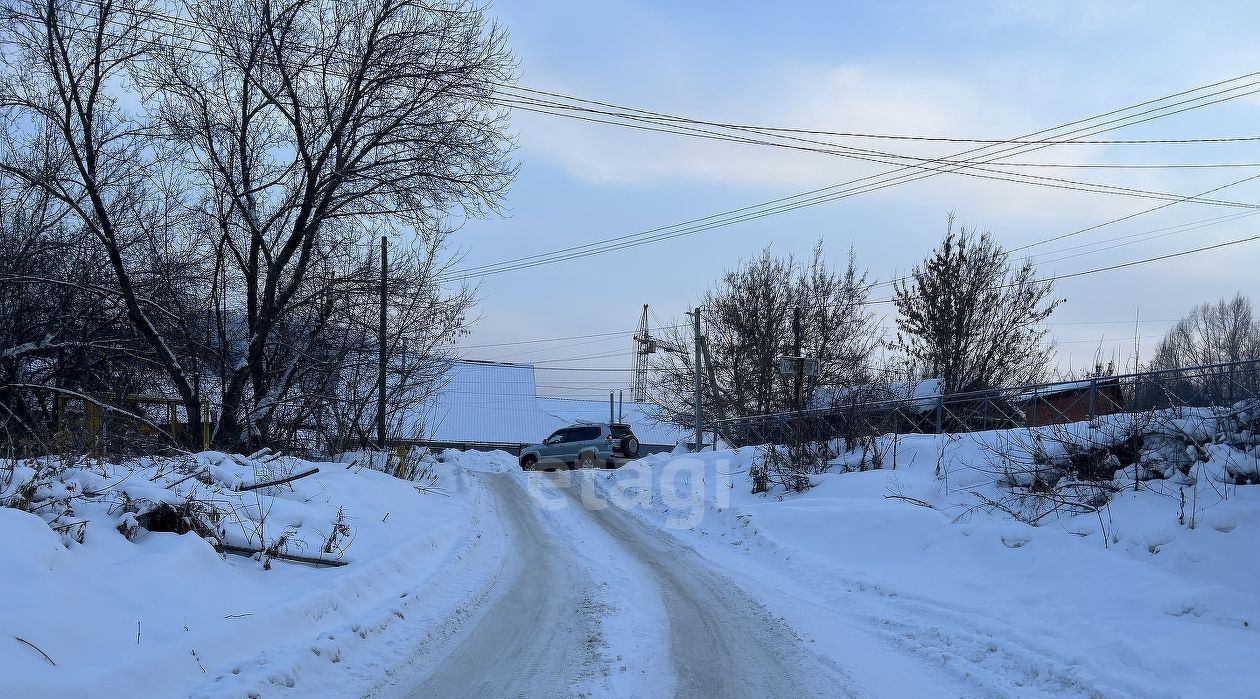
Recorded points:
(630,446)
(527,463)
(586,460)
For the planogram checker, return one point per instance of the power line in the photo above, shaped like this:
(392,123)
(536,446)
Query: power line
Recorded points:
(1175,231)
(598,355)
(1133,215)
(582,368)
(991,158)
(183,22)
(1120,219)
(783,204)
(816,146)
(964,168)
(900,137)
(848,150)
(664,326)
(1121,265)
(188,23)
(1150,234)
(1157,258)
(1011,144)
(1099,340)
(627,333)
(1130,321)
(833,187)
(598,340)
(1069,275)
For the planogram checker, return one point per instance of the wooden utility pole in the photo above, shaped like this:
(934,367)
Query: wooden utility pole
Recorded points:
(719,401)
(380,346)
(696,366)
(798,385)
(798,380)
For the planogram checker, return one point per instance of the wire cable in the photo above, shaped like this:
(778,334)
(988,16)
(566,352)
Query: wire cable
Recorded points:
(771,207)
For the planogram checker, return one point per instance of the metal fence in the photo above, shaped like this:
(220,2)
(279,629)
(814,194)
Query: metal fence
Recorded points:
(873,410)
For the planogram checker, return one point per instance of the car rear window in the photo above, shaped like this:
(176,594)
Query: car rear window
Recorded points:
(581,434)
(620,431)
(587,434)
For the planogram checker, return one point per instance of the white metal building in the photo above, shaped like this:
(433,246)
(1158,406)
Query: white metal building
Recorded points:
(485,405)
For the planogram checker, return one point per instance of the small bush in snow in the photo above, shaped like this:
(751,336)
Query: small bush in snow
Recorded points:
(237,504)
(782,467)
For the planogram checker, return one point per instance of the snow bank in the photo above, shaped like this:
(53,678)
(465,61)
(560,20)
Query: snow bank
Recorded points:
(165,615)
(1127,600)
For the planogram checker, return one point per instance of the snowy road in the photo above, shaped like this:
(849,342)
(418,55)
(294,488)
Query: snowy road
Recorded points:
(540,636)
(492,582)
(526,641)
(721,642)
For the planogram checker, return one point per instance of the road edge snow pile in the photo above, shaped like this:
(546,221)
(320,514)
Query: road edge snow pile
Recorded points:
(1123,599)
(108,600)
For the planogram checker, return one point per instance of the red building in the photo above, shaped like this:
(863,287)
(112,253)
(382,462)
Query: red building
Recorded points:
(1056,404)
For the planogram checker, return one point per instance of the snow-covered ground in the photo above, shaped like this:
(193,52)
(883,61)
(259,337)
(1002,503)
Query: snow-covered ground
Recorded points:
(166,616)
(666,577)
(909,583)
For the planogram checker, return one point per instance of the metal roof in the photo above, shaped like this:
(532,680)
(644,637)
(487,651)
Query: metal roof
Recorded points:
(642,418)
(920,395)
(497,403)
(481,402)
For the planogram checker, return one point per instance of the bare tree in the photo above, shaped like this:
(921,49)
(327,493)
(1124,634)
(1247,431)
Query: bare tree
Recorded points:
(334,390)
(319,119)
(237,199)
(748,322)
(1225,332)
(969,316)
(67,134)
(1212,333)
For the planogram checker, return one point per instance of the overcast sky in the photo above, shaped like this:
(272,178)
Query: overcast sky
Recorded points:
(978,69)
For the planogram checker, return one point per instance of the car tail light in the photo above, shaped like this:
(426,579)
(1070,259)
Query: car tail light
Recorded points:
(609,438)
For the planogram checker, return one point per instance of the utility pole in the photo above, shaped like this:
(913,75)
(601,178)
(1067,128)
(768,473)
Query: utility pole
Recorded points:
(798,382)
(798,386)
(380,346)
(797,366)
(699,415)
(719,400)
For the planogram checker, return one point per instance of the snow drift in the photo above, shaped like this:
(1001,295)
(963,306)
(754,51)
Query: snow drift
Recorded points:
(120,610)
(1137,594)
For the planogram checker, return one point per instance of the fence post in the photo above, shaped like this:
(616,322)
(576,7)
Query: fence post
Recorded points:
(94,439)
(940,414)
(205,423)
(1093,399)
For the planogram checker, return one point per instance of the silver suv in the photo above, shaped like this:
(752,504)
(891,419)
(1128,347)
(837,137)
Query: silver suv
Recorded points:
(584,445)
